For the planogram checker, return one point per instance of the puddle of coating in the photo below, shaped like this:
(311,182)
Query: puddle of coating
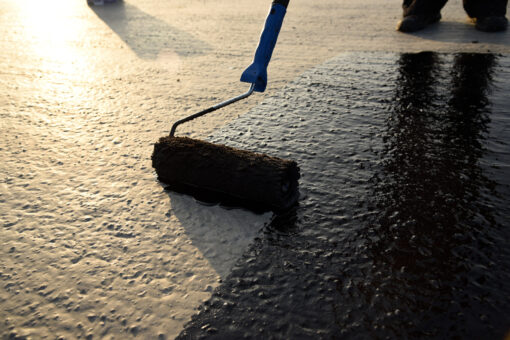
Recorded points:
(402,227)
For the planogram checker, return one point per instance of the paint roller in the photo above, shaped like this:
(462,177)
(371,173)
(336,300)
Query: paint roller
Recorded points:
(219,173)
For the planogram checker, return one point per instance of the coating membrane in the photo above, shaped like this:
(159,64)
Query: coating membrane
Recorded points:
(402,225)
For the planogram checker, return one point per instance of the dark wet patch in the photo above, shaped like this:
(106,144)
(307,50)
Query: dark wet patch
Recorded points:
(402,227)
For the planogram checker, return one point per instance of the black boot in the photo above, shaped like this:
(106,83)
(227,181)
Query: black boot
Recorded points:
(418,14)
(488,15)
(413,23)
(491,23)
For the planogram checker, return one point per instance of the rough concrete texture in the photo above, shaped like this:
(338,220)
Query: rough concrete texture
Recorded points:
(91,244)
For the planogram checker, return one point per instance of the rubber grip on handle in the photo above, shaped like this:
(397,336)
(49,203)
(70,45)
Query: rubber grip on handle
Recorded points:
(256,73)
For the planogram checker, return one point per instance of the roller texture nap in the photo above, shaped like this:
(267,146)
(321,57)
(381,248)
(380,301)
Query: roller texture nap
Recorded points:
(241,177)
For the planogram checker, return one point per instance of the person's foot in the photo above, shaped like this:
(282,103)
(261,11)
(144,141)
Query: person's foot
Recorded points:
(413,23)
(95,2)
(491,23)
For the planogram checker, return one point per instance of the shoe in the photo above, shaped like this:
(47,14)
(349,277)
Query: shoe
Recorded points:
(413,23)
(491,24)
(95,2)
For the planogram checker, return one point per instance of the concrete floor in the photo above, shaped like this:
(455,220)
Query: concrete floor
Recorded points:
(91,245)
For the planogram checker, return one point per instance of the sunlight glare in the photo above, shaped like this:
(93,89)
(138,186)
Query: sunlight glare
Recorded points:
(55,30)
(51,21)
(55,44)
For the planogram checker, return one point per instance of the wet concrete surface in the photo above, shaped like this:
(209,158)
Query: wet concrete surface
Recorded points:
(402,225)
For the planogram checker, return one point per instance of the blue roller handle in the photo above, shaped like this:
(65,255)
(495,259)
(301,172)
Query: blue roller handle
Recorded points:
(256,73)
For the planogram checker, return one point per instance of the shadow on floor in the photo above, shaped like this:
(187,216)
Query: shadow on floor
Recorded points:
(221,235)
(147,35)
(462,32)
